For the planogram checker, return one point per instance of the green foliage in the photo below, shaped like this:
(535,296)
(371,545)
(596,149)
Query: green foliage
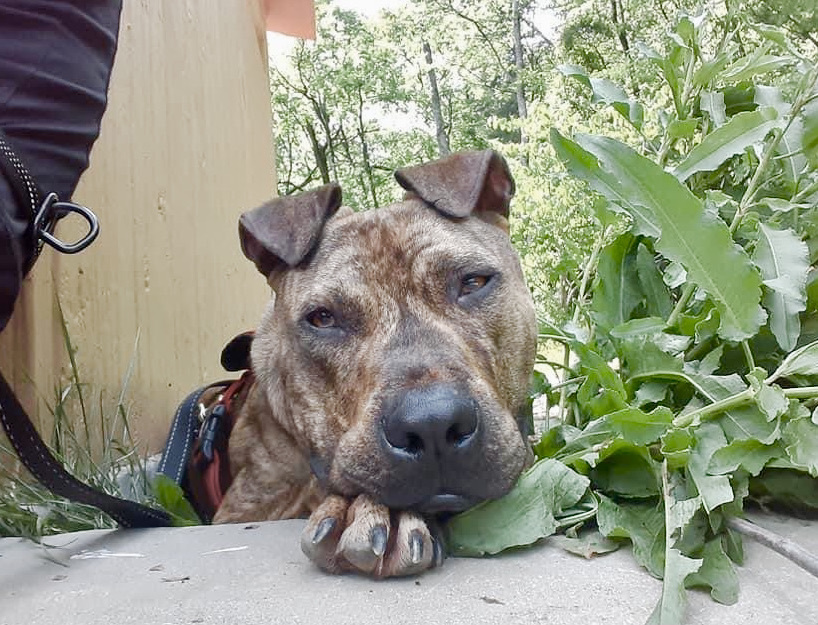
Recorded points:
(691,356)
(668,229)
(170,496)
(93,441)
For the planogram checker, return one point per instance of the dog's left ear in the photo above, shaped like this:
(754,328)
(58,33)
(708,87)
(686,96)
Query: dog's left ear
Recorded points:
(462,184)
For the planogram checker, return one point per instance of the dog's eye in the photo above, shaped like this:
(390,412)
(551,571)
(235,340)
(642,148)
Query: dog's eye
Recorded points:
(321,318)
(471,284)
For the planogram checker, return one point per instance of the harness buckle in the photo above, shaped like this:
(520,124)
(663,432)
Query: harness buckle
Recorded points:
(210,430)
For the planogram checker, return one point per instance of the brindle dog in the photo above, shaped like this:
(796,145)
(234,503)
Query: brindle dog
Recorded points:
(391,368)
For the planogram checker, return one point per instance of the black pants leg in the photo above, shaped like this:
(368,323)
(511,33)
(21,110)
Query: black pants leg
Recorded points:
(55,65)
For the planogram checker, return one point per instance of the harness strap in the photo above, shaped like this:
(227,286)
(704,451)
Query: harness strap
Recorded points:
(184,430)
(36,457)
(209,474)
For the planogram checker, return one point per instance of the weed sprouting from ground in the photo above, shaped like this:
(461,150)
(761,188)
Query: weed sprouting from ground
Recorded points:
(93,440)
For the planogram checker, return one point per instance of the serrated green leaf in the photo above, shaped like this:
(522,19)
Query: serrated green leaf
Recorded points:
(554,440)
(526,514)
(617,291)
(646,326)
(771,400)
(800,438)
(712,103)
(606,92)
(752,65)
(671,607)
(676,447)
(682,129)
(597,369)
(738,134)
(689,235)
(803,361)
(709,70)
(790,150)
(716,572)
(657,297)
(626,470)
(750,455)
(585,165)
(651,393)
(714,490)
(588,545)
(743,423)
(640,428)
(643,524)
(783,259)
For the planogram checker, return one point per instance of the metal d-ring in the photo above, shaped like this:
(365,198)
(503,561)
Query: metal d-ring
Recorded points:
(51,211)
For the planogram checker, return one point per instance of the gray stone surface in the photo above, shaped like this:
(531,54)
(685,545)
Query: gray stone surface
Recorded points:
(231,575)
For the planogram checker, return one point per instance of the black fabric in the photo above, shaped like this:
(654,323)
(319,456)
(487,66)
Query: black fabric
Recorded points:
(55,65)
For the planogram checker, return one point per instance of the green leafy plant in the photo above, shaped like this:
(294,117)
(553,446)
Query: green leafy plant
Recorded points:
(690,381)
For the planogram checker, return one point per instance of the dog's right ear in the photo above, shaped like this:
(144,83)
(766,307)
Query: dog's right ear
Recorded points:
(283,231)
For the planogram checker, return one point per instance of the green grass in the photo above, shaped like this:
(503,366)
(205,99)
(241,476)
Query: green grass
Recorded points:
(92,437)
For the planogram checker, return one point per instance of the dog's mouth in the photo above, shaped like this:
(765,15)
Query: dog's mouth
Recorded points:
(445,503)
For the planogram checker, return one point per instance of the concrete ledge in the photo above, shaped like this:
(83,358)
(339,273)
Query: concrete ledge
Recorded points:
(229,575)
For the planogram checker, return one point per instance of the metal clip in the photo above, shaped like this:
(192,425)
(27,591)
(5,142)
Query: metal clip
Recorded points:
(51,211)
(210,429)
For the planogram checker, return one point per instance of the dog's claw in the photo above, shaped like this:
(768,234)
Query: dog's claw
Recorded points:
(439,555)
(379,537)
(415,546)
(324,529)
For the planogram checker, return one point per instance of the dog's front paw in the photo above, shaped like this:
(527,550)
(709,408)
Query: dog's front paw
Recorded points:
(365,537)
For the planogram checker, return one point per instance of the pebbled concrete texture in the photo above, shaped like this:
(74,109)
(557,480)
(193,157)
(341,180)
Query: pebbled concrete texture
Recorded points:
(256,574)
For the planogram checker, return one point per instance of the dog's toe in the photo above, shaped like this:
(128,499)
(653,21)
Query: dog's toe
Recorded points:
(366,537)
(320,536)
(413,550)
(365,540)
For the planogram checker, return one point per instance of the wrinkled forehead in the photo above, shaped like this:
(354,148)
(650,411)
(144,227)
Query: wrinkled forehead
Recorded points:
(401,237)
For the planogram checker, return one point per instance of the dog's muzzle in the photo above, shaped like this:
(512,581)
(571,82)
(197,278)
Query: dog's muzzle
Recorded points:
(431,438)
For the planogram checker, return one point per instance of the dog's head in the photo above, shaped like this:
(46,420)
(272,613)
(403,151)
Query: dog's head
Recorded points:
(399,346)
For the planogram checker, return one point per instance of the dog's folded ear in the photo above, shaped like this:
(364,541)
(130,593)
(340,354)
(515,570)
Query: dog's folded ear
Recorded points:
(462,183)
(284,230)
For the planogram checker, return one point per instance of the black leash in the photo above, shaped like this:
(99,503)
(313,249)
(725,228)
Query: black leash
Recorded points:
(23,436)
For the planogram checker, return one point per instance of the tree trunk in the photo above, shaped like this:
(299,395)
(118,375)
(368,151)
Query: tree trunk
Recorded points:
(522,108)
(440,130)
(365,150)
(618,20)
(319,152)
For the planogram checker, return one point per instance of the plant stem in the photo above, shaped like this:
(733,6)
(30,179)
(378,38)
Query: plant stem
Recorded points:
(748,355)
(735,401)
(696,416)
(802,392)
(755,182)
(690,288)
(580,378)
(583,287)
(787,548)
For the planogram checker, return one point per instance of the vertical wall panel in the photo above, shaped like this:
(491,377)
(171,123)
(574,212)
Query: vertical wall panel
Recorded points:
(186,146)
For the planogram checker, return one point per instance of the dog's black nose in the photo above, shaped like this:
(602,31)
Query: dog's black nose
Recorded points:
(431,423)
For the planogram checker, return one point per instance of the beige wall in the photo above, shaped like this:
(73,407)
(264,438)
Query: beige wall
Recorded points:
(186,146)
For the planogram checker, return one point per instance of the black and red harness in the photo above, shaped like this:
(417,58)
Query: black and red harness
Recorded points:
(196,452)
